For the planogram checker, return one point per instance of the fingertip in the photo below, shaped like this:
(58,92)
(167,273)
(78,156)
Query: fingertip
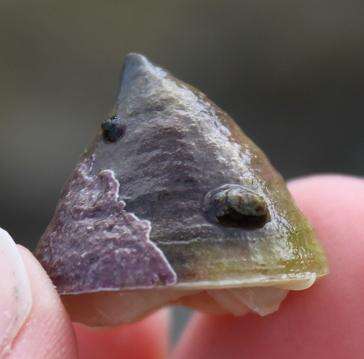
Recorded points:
(325,190)
(48,333)
(147,338)
(16,297)
(324,178)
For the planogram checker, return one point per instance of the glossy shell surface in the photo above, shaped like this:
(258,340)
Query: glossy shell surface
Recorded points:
(172,193)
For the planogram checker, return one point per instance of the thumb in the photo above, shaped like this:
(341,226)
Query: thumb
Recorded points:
(33,322)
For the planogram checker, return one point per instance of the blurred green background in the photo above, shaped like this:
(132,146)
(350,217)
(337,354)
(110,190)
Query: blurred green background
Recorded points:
(290,72)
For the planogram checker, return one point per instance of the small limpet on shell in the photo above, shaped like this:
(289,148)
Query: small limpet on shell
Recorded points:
(173,204)
(235,206)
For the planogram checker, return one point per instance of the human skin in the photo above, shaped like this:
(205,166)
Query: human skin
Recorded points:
(325,321)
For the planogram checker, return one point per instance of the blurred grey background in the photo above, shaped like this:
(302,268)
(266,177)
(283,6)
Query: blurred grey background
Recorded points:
(290,72)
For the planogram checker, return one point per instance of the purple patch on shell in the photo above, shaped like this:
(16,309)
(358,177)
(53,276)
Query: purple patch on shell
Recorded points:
(92,244)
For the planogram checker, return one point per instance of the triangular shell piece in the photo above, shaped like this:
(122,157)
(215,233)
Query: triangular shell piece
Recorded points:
(172,193)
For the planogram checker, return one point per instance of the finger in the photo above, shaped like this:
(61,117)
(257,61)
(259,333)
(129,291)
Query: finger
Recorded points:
(16,296)
(33,321)
(146,339)
(325,321)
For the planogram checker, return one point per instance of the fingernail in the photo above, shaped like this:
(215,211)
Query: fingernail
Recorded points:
(15,292)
